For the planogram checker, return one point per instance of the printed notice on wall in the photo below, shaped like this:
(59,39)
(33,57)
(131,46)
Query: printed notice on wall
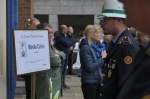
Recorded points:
(1,57)
(31,51)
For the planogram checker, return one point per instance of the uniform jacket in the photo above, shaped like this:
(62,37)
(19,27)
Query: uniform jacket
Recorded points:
(90,66)
(118,62)
(63,43)
(136,84)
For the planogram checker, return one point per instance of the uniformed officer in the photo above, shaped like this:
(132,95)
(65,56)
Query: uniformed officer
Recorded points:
(136,84)
(122,49)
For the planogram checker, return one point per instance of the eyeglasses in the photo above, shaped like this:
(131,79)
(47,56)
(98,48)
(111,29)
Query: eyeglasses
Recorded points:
(50,32)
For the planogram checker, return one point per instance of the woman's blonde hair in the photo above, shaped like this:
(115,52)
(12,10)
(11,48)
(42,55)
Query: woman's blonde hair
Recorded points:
(89,32)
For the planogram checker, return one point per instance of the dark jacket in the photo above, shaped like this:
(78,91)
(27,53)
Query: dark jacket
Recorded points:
(90,65)
(117,63)
(71,38)
(136,83)
(63,43)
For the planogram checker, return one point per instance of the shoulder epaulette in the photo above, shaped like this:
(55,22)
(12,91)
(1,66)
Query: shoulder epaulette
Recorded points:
(124,40)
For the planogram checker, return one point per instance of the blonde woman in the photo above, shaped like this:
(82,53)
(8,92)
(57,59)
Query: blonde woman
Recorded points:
(92,52)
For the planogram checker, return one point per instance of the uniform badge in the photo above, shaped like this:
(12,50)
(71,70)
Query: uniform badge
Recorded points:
(114,60)
(109,73)
(128,60)
(146,97)
(113,66)
(126,40)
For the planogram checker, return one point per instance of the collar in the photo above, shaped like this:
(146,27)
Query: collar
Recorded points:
(116,38)
(63,34)
(69,34)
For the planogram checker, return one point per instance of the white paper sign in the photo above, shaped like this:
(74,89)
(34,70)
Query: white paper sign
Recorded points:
(31,51)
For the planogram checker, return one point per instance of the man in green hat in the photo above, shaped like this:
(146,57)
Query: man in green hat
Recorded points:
(136,84)
(121,51)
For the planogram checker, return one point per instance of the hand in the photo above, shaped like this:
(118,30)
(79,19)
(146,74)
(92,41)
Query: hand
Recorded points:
(103,54)
(56,52)
(71,48)
(102,76)
(56,55)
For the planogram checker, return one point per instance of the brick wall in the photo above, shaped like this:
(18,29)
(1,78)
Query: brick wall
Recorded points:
(25,11)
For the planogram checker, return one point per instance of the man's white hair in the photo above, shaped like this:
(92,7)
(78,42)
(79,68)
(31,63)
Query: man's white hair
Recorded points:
(32,20)
(109,37)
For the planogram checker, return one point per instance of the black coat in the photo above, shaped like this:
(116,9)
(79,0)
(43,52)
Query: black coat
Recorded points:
(118,61)
(136,84)
(71,38)
(63,43)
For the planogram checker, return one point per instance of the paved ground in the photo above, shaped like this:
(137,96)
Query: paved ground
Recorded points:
(73,93)
(75,88)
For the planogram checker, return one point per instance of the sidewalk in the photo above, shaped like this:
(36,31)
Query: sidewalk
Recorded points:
(73,93)
(75,88)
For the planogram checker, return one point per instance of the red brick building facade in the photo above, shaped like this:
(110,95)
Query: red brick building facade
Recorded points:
(25,11)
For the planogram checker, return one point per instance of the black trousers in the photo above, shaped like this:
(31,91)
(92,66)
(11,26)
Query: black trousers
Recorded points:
(27,78)
(64,70)
(91,91)
(70,63)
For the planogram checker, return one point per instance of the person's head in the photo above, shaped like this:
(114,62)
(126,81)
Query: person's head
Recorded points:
(112,17)
(70,30)
(63,29)
(92,33)
(81,34)
(142,38)
(107,38)
(138,14)
(56,33)
(48,27)
(34,22)
(133,32)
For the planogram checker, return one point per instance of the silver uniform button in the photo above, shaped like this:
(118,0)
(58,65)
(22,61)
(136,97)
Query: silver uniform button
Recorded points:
(102,84)
(113,66)
(108,65)
(100,94)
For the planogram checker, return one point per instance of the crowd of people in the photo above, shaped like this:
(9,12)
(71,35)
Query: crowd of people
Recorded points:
(115,68)
(61,47)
